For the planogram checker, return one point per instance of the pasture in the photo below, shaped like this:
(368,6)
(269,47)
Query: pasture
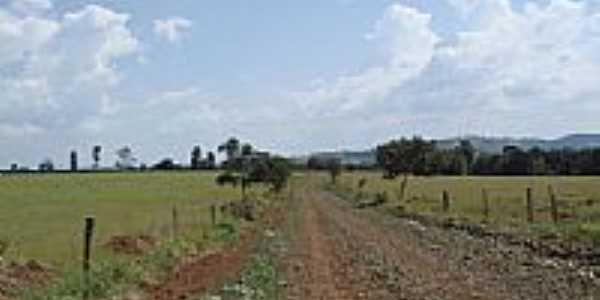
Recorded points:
(41,216)
(578,199)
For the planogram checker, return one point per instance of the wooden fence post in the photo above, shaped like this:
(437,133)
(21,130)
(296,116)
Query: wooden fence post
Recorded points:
(213,215)
(486,204)
(175,222)
(87,251)
(553,204)
(445,201)
(529,205)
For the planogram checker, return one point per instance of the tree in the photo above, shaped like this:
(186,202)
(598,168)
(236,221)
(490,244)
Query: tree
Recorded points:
(249,166)
(515,161)
(211,160)
(196,157)
(126,159)
(232,150)
(96,150)
(46,165)
(278,174)
(74,161)
(166,164)
(247,149)
(404,156)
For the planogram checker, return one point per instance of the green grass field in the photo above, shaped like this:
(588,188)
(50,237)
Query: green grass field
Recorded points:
(578,198)
(41,216)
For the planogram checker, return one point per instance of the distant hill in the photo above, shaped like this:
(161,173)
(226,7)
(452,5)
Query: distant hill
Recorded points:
(364,158)
(484,144)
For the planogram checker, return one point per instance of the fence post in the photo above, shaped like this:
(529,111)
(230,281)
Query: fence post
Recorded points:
(529,204)
(445,201)
(213,215)
(486,204)
(553,204)
(175,222)
(87,251)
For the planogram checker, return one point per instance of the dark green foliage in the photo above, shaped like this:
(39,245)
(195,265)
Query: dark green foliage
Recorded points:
(211,160)
(96,155)
(228,178)
(73,161)
(420,157)
(166,164)
(46,166)
(404,156)
(277,173)
(247,149)
(196,158)
(250,166)
(232,150)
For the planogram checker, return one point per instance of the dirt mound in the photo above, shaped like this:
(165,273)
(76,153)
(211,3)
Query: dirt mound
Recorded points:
(131,245)
(198,275)
(20,276)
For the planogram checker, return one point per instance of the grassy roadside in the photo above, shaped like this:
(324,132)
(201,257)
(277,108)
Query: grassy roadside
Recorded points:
(121,275)
(263,276)
(506,202)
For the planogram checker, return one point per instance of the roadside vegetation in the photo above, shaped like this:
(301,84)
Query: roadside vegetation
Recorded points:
(578,200)
(127,275)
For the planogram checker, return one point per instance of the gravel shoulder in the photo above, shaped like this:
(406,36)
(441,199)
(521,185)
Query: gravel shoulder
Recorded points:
(338,252)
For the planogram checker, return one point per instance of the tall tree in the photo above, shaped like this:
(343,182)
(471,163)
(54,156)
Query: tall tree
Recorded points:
(211,160)
(74,161)
(96,151)
(196,157)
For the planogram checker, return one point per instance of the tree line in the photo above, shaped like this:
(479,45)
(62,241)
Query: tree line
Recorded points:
(244,166)
(127,160)
(419,156)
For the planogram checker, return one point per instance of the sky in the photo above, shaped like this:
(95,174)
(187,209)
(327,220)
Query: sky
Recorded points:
(289,76)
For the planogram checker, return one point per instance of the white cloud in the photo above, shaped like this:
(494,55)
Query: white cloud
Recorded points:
(20,37)
(409,44)
(172,29)
(544,55)
(506,63)
(58,71)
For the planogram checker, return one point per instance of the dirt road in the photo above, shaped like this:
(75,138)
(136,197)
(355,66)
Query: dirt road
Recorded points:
(331,250)
(338,252)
